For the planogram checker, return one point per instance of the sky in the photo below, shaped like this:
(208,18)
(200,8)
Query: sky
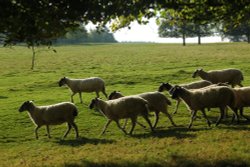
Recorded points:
(149,33)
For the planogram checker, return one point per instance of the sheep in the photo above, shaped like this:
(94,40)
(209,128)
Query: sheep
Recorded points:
(231,76)
(93,84)
(157,102)
(51,115)
(242,100)
(125,107)
(200,99)
(192,85)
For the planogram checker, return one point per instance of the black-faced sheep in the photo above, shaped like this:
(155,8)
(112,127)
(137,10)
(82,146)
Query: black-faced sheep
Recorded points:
(51,115)
(94,84)
(192,85)
(231,76)
(122,108)
(214,97)
(157,102)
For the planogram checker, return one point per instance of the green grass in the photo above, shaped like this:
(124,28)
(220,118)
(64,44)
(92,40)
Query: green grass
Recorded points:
(130,68)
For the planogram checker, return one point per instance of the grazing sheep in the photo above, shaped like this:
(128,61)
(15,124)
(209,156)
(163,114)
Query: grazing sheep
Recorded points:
(51,115)
(231,76)
(125,107)
(157,102)
(192,85)
(214,97)
(242,100)
(93,84)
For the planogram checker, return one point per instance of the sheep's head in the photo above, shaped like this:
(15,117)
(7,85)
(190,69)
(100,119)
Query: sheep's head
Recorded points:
(25,106)
(175,92)
(164,86)
(196,73)
(115,95)
(62,81)
(93,103)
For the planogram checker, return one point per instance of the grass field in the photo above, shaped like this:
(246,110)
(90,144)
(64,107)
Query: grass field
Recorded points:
(130,68)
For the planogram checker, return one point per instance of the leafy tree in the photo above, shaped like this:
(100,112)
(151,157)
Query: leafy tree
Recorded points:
(236,33)
(175,25)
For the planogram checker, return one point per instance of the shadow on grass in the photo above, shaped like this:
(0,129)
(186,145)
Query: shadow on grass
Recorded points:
(179,132)
(82,141)
(174,161)
(3,97)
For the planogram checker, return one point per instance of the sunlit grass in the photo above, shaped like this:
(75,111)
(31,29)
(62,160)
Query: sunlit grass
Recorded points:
(130,68)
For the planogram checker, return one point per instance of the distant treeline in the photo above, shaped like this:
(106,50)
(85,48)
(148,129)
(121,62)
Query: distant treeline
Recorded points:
(81,35)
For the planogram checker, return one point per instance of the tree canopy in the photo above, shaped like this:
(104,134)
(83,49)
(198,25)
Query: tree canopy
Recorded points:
(40,22)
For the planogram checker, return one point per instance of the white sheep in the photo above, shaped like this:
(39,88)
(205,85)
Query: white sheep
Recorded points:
(51,115)
(157,102)
(231,76)
(122,108)
(192,85)
(242,99)
(93,84)
(214,97)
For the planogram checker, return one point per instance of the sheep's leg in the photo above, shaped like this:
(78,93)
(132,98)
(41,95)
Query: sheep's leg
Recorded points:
(67,132)
(104,92)
(80,96)
(36,130)
(226,112)
(177,106)
(156,119)
(222,109)
(205,116)
(241,114)
(133,120)
(119,126)
(170,118)
(97,94)
(47,128)
(106,126)
(125,123)
(72,100)
(141,124)
(192,118)
(148,121)
(76,129)
(235,111)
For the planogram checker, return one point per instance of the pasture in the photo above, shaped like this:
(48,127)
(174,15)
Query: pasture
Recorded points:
(131,69)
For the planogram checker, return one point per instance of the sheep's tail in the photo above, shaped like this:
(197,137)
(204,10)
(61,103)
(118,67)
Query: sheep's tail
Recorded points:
(75,112)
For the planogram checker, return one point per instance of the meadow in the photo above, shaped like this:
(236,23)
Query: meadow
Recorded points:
(131,69)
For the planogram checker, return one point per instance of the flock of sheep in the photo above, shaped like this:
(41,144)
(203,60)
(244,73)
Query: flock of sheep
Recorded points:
(211,92)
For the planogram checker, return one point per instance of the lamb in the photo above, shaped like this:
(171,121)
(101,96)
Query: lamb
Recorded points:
(192,85)
(242,100)
(214,97)
(231,76)
(125,107)
(157,102)
(51,115)
(93,84)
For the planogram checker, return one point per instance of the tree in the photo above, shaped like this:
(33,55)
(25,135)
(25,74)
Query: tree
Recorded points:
(236,33)
(174,26)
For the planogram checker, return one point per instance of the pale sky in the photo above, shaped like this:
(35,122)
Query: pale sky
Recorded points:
(149,33)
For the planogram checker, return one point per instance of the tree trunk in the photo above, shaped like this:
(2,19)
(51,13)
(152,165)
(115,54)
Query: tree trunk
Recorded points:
(248,38)
(184,39)
(199,39)
(33,57)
